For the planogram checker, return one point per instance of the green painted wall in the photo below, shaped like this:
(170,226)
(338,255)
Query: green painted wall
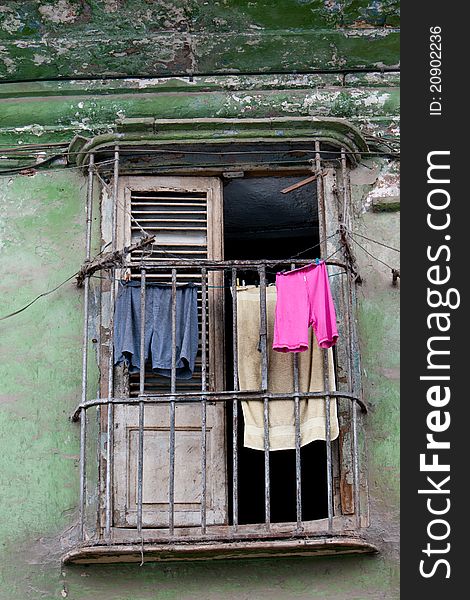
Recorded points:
(45,39)
(42,243)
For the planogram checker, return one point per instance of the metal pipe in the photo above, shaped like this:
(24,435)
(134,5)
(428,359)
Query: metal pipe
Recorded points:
(326,376)
(140,458)
(203,400)
(298,464)
(253,265)
(235,401)
(352,343)
(171,491)
(264,385)
(110,415)
(329,476)
(89,206)
(321,202)
(354,436)
(224,396)
(346,204)
(83,417)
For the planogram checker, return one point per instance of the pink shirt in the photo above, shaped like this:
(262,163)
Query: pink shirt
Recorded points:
(304,299)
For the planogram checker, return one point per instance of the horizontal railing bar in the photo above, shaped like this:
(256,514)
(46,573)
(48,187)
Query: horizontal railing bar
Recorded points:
(229,536)
(221,264)
(191,397)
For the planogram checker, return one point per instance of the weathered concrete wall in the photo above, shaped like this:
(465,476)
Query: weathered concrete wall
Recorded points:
(56,111)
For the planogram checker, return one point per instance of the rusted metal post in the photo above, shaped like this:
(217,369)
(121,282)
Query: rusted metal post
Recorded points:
(110,414)
(354,434)
(264,386)
(203,399)
(171,491)
(347,220)
(83,416)
(298,470)
(320,202)
(329,475)
(140,457)
(346,199)
(235,401)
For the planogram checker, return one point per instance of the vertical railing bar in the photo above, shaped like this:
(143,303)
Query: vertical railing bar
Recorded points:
(264,385)
(83,416)
(352,343)
(329,477)
(320,201)
(171,490)
(235,402)
(140,459)
(203,399)
(89,205)
(110,414)
(346,203)
(298,469)
(326,377)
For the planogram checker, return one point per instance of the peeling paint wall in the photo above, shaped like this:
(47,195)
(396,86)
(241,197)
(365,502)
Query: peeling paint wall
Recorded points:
(80,67)
(41,39)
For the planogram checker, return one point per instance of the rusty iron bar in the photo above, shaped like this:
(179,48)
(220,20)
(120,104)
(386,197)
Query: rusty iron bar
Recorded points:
(345,224)
(235,401)
(320,201)
(171,486)
(212,397)
(352,337)
(329,477)
(298,440)
(86,311)
(226,535)
(203,400)
(110,415)
(252,265)
(264,384)
(354,433)
(140,455)
(346,217)
(326,383)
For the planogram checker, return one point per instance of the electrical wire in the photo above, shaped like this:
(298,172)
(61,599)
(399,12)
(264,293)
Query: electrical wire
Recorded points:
(372,240)
(20,310)
(38,165)
(372,255)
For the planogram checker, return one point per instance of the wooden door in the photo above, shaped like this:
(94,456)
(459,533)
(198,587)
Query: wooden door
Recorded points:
(185,214)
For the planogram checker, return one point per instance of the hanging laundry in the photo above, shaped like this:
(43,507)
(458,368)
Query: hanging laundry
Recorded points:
(127,327)
(280,380)
(303,300)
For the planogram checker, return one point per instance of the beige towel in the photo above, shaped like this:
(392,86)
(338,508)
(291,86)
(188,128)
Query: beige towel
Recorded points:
(280,379)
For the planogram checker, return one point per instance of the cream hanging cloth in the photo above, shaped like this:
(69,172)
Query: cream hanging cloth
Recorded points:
(280,379)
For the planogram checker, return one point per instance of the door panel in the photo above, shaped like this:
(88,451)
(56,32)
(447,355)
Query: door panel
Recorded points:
(185,215)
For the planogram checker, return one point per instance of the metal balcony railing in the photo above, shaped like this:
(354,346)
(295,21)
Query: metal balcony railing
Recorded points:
(210,275)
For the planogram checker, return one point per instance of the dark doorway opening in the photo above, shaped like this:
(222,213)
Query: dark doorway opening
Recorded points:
(262,223)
